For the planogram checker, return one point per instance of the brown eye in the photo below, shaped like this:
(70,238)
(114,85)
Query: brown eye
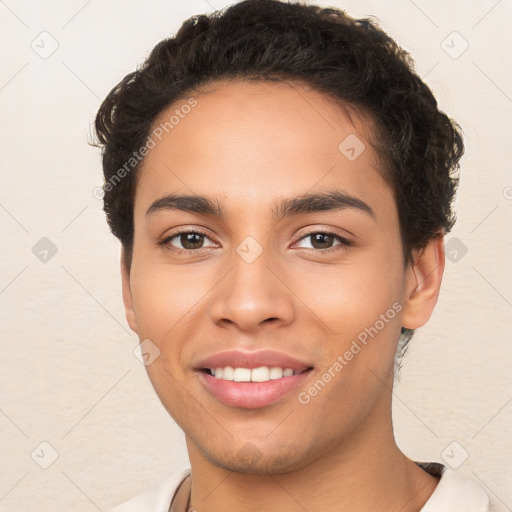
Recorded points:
(191,240)
(186,241)
(321,240)
(324,240)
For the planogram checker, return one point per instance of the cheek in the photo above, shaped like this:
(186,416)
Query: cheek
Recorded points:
(351,296)
(165,300)
(163,295)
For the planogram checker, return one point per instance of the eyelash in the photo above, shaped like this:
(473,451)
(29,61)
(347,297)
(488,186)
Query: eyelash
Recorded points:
(344,242)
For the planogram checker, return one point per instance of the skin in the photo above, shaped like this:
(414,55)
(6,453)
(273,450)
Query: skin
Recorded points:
(249,145)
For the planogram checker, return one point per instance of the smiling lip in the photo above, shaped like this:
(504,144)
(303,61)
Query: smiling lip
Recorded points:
(252,395)
(245,359)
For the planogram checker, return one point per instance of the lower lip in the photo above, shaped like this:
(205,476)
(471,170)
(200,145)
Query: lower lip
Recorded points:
(251,395)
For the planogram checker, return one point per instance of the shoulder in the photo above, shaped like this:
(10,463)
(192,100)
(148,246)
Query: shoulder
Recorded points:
(455,492)
(157,499)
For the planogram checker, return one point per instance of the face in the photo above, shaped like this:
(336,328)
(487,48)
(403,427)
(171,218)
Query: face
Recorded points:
(255,275)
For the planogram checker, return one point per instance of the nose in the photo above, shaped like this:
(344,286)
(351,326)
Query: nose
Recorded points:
(253,294)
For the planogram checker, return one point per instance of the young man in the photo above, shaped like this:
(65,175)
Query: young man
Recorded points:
(281,180)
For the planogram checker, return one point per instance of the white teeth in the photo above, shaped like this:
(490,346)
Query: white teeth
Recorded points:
(242,375)
(261,374)
(276,372)
(228,373)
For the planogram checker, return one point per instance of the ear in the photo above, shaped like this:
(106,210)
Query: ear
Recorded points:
(127,295)
(423,283)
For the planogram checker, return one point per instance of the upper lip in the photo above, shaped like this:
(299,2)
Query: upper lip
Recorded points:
(252,359)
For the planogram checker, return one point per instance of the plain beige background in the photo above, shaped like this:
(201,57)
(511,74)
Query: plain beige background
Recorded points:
(69,378)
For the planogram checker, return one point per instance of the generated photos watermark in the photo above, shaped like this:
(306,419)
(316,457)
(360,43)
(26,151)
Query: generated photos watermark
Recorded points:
(356,346)
(156,136)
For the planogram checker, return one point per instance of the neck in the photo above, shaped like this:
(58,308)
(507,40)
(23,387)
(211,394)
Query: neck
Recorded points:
(364,473)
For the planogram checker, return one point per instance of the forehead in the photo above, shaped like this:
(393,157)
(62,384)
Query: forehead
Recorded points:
(253,142)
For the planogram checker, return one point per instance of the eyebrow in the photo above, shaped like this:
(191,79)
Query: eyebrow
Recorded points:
(334,200)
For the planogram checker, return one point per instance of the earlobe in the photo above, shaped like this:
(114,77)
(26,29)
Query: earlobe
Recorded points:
(423,282)
(127,295)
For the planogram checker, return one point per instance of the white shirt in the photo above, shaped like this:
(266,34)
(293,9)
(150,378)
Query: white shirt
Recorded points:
(453,493)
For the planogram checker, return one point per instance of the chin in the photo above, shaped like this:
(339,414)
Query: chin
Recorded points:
(251,460)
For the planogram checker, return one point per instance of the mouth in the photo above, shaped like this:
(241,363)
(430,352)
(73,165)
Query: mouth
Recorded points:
(260,374)
(252,388)
(251,379)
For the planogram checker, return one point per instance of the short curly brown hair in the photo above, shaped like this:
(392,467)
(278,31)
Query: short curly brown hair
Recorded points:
(351,60)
